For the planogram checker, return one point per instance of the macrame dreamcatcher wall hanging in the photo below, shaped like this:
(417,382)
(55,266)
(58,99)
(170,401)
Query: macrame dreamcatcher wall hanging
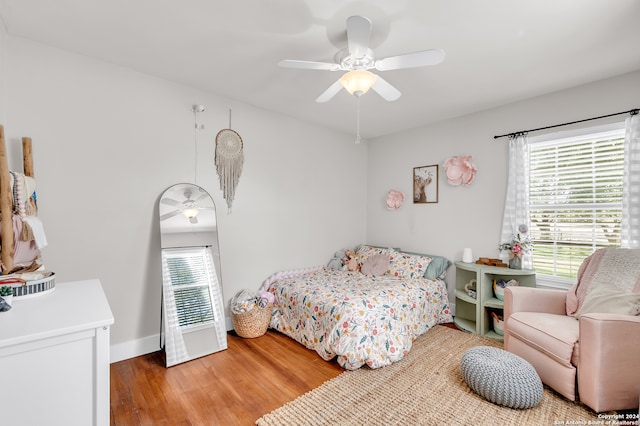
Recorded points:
(229,161)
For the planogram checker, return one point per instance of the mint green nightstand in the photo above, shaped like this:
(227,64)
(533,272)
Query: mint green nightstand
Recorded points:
(474,315)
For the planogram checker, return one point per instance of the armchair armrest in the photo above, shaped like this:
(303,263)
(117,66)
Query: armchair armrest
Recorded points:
(609,366)
(530,299)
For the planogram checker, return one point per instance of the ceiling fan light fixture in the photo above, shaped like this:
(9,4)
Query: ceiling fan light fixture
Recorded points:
(190,213)
(358,82)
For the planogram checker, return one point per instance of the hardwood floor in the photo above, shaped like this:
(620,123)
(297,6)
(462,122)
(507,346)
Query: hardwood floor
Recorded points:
(232,387)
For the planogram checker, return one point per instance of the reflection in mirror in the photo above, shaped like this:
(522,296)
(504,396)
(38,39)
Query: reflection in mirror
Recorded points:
(192,303)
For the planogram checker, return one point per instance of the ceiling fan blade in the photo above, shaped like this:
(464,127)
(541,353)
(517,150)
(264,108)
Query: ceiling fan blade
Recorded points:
(330,92)
(358,34)
(201,197)
(170,202)
(386,90)
(411,60)
(169,215)
(308,65)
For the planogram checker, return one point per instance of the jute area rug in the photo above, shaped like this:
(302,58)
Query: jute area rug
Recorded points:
(425,388)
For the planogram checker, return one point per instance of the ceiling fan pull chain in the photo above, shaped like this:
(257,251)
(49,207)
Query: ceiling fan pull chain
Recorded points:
(195,156)
(358,119)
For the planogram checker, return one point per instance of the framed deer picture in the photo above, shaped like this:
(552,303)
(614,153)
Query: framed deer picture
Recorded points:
(425,184)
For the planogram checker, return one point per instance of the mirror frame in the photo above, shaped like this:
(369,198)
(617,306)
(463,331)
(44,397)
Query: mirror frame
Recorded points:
(193,322)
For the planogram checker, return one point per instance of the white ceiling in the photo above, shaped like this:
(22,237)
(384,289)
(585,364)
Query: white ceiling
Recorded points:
(498,51)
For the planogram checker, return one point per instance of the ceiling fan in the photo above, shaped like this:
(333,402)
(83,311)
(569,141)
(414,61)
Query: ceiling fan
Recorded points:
(188,207)
(357,59)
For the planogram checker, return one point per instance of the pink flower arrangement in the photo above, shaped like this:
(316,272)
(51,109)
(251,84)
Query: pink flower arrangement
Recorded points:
(394,199)
(460,170)
(519,244)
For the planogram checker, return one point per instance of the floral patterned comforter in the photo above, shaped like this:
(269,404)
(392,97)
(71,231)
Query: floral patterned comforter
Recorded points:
(358,318)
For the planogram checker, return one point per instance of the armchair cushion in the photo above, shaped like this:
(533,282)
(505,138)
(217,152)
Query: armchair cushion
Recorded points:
(554,335)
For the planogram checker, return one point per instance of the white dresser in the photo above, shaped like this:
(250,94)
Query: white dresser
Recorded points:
(54,358)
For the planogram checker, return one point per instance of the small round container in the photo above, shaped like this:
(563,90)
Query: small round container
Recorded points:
(498,291)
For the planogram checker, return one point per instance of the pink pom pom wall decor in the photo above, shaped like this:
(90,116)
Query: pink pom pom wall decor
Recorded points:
(460,170)
(394,199)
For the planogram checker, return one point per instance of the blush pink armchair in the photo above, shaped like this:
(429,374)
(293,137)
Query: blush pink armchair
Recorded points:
(587,356)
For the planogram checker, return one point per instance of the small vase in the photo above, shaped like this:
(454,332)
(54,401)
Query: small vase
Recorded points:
(515,262)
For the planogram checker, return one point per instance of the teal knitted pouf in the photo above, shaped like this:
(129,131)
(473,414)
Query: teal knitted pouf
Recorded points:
(501,377)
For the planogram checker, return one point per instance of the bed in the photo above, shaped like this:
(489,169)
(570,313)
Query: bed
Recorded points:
(362,319)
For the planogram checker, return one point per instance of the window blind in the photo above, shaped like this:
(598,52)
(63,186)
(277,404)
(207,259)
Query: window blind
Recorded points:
(575,198)
(192,281)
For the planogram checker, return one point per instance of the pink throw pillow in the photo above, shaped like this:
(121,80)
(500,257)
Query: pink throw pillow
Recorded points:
(376,265)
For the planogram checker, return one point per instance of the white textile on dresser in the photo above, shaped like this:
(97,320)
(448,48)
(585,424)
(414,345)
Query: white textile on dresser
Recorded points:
(38,231)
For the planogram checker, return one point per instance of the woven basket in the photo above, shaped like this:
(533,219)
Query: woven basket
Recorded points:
(253,323)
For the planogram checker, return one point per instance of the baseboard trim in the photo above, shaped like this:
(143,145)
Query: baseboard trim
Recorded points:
(134,348)
(143,346)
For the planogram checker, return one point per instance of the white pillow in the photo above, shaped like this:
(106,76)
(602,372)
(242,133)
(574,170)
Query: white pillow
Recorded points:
(610,300)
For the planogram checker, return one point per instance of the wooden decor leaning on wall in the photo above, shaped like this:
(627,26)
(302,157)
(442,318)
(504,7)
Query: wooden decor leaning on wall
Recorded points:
(6,215)
(17,201)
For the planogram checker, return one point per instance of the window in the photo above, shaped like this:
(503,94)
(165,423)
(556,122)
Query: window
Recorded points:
(575,194)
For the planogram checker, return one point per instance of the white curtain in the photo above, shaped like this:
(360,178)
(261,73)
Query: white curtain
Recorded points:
(516,207)
(631,184)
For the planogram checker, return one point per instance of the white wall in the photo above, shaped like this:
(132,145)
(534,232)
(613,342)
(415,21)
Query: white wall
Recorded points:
(108,141)
(471,216)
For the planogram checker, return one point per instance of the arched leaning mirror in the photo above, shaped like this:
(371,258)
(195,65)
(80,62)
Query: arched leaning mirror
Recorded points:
(193,322)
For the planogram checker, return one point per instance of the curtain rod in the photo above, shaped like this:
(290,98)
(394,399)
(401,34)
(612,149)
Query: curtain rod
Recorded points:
(631,112)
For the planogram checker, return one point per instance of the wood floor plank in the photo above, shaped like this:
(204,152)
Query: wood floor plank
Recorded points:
(233,387)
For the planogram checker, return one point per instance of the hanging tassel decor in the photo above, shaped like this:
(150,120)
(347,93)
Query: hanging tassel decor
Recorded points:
(229,160)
